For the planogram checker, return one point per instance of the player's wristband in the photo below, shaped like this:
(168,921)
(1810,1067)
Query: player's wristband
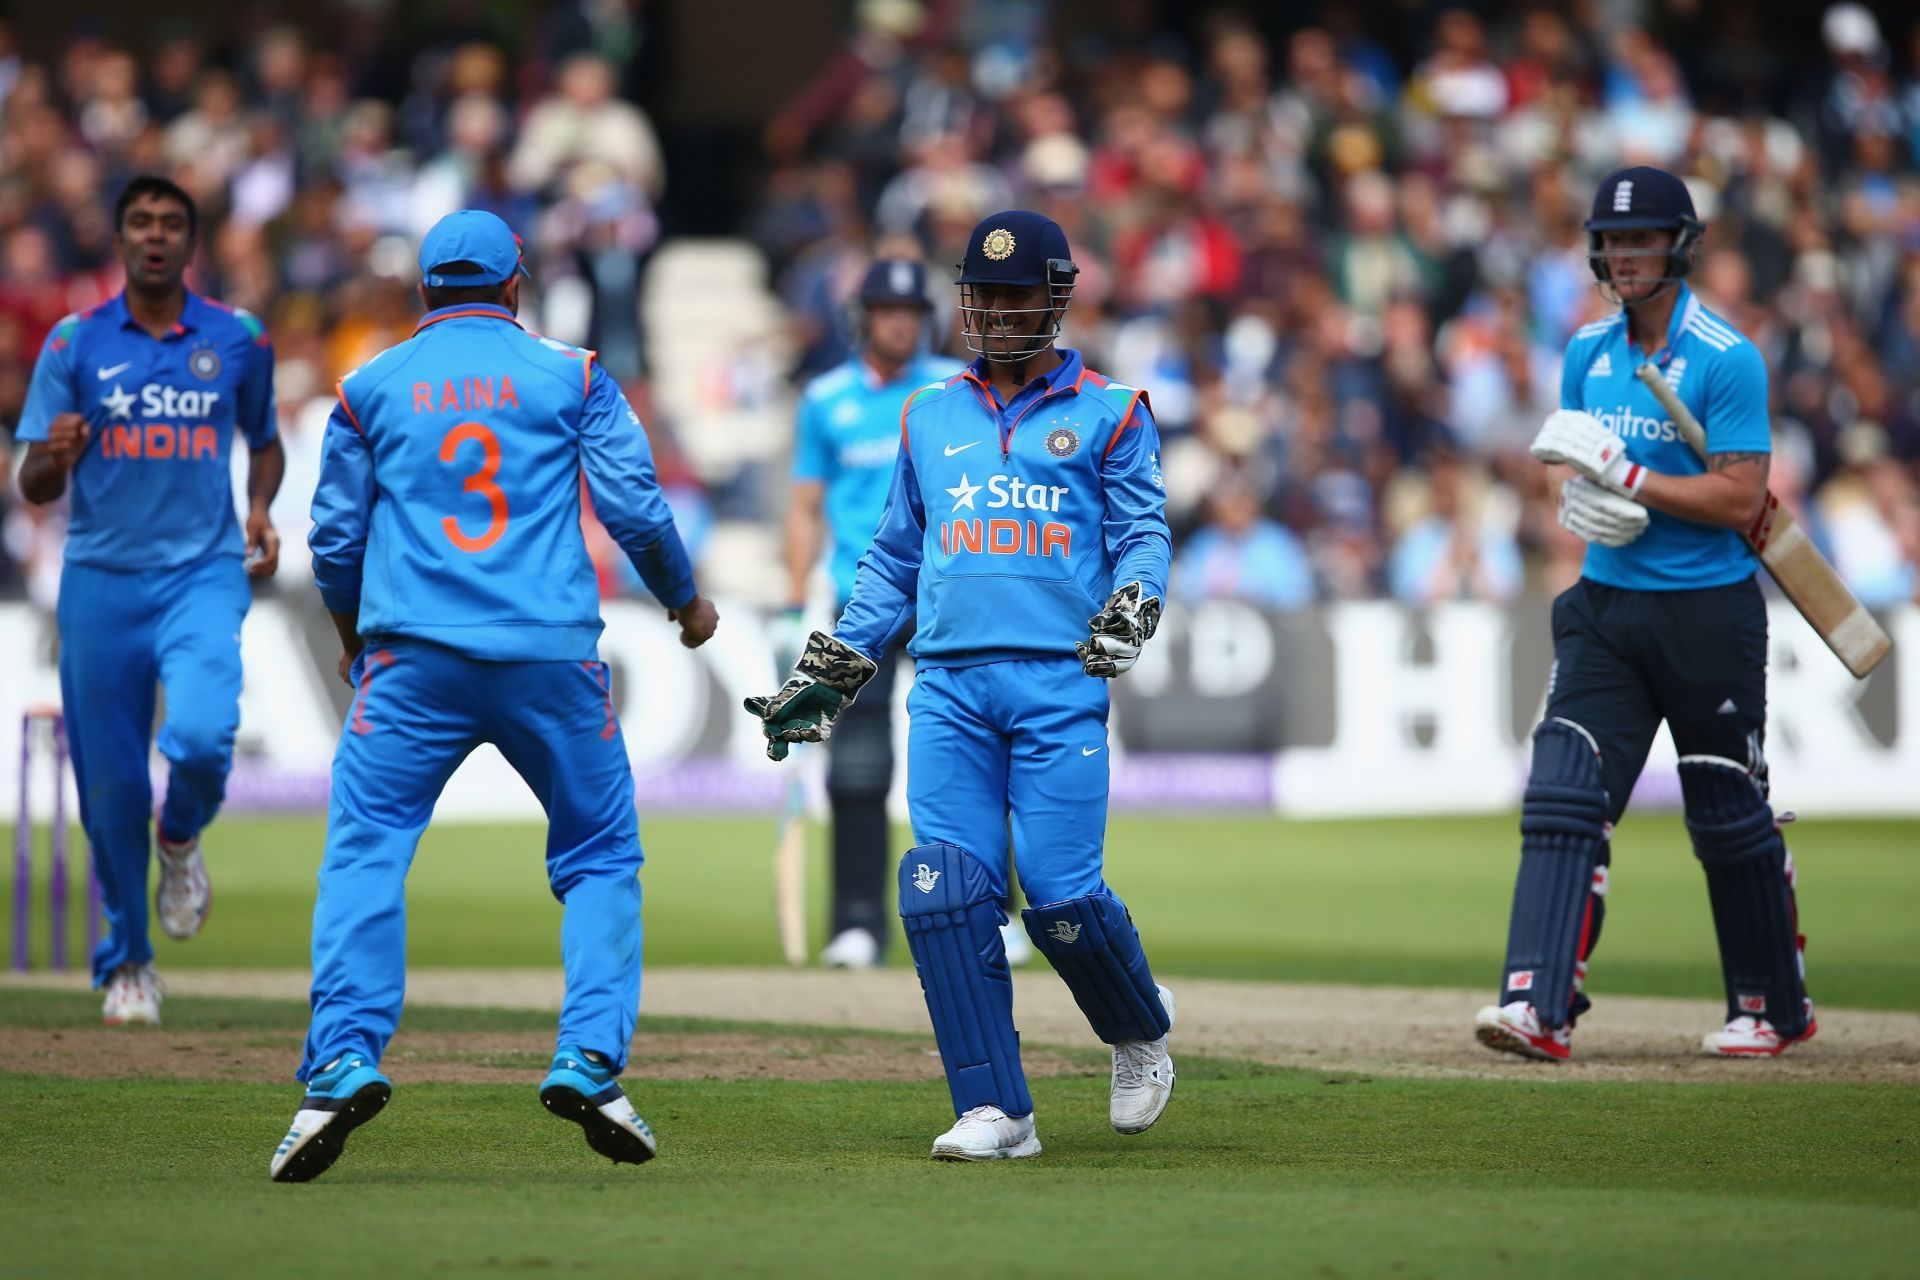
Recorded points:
(1626,477)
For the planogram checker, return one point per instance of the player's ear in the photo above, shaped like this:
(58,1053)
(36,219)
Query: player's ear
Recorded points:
(510,294)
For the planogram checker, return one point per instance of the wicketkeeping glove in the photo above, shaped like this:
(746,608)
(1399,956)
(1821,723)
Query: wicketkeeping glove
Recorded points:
(824,681)
(1118,631)
(1579,440)
(1599,515)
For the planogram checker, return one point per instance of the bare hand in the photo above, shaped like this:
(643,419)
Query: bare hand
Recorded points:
(697,619)
(346,668)
(67,437)
(263,546)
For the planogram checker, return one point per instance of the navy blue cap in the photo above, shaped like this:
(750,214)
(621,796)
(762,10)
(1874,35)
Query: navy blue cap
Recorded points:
(898,282)
(470,235)
(1641,197)
(1016,247)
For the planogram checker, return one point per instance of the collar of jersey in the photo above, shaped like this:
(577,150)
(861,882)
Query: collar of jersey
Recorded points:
(1683,308)
(482,310)
(1065,376)
(190,314)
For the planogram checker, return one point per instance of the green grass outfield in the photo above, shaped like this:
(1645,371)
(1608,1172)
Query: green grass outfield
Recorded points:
(1398,902)
(1254,1172)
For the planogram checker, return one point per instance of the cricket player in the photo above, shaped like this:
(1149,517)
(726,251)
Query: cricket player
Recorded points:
(845,442)
(133,408)
(1666,623)
(1027,496)
(447,546)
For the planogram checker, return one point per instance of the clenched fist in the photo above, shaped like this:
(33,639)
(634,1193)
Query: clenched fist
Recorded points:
(67,437)
(698,620)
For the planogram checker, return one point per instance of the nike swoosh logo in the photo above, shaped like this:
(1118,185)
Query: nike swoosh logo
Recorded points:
(962,449)
(114,372)
(1090,751)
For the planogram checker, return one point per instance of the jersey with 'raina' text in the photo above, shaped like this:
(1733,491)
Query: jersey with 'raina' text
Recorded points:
(448,507)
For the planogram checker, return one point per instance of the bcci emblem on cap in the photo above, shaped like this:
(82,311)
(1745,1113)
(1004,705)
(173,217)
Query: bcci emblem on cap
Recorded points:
(998,245)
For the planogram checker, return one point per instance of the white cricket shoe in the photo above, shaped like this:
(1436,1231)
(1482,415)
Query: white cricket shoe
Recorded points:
(133,996)
(1019,947)
(988,1133)
(1142,1079)
(1515,1028)
(851,949)
(184,896)
(1749,1037)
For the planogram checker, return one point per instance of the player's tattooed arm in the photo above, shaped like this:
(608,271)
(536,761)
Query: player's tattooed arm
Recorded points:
(1730,495)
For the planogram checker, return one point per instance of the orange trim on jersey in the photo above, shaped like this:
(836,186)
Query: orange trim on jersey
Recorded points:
(455,315)
(586,373)
(1126,421)
(340,389)
(903,419)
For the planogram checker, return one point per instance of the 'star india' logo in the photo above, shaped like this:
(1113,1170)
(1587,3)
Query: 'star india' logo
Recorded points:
(924,878)
(998,245)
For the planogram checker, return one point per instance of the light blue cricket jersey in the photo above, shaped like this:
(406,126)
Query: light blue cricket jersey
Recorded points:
(154,489)
(846,437)
(1722,378)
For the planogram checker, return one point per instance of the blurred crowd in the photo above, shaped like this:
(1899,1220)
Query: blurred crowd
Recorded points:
(316,168)
(1345,273)
(1347,282)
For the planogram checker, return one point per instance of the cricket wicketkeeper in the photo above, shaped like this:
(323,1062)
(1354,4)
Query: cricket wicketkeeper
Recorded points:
(1666,623)
(1025,535)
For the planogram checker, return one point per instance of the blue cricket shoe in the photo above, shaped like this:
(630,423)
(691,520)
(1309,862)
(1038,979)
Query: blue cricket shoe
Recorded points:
(341,1096)
(584,1087)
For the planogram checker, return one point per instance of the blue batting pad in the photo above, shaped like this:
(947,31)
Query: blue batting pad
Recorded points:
(1092,944)
(1750,883)
(952,917)
(1556,905)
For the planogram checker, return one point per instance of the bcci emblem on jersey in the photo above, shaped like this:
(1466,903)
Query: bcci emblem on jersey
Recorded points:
(204,364)
(1061,442)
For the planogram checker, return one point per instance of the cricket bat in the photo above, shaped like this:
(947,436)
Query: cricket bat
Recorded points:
(790,871)
(1789,555)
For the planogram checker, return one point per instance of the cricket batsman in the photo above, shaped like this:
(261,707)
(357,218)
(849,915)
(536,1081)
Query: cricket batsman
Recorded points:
(1665,623)
(845,442)
(133,408)
(1026,497)
(447,546)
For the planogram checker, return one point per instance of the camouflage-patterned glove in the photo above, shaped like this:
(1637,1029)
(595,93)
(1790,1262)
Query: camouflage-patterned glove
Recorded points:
(824,681)
(1119,630)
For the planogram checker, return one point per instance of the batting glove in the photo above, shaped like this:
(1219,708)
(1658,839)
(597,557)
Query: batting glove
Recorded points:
(1600,515)
(1118,632)
(1580,441)
(824,683)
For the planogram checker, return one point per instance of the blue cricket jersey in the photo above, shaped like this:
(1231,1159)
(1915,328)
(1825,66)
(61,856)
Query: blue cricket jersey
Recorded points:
(1006,527)
(448,506)
(1722,378)
(153,489)
(846,437)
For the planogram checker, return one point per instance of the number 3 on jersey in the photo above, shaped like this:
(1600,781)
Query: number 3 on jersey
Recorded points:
(480,482)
